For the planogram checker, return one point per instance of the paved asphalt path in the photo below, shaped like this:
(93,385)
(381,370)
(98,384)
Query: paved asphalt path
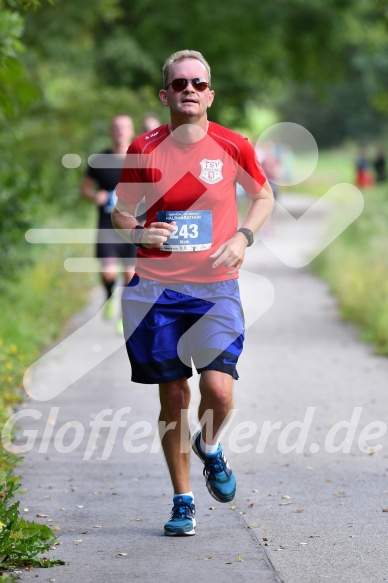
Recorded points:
(298,517)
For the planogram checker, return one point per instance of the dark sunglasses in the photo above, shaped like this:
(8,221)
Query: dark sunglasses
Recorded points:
(181,84)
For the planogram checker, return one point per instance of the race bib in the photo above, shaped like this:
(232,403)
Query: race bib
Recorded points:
(193,230)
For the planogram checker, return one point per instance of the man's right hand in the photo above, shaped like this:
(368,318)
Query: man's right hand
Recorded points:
(156,234)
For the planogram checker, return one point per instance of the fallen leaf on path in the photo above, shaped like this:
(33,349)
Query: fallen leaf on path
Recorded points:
(122,554)
(41,515)
(385,509)
(233,507)
(286,497)
(240,559)
(57,528)
(298,510)
(285,503)
(251,505)
(97,526)
(207,558)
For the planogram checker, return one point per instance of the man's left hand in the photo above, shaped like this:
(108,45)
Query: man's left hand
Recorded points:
(231,253)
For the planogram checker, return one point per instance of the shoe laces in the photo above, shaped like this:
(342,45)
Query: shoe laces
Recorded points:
(215,465)
(183,510)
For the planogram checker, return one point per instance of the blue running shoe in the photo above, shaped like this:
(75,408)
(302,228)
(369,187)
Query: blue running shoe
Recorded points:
(220,480)
(182,521)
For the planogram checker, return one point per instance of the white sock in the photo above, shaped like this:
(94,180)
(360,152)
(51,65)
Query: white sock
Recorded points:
(186,494)
(206,448)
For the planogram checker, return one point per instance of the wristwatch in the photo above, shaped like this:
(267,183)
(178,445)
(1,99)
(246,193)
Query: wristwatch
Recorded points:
(136,234)
(249,235)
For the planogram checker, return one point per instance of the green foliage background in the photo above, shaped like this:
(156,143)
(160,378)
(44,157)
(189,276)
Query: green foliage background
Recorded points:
(67,66)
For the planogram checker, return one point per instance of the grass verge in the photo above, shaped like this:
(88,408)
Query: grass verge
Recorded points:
(356,267)
(34,310)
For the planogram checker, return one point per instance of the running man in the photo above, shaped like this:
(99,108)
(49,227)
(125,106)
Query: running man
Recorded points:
(183,304)
(99,186)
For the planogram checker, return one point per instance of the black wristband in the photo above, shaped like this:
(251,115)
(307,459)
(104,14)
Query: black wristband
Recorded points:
(136,234)
(248,234)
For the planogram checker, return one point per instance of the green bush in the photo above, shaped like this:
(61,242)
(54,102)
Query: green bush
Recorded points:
(21,541)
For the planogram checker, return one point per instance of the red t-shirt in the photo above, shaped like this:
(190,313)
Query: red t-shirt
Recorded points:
(173,176)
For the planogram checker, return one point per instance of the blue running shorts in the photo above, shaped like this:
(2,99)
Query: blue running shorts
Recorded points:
(170,327)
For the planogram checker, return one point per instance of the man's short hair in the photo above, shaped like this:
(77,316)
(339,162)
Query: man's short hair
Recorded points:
(181,56)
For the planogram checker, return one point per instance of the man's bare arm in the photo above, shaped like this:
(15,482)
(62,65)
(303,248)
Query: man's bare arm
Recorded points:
(232,252)
(259,210)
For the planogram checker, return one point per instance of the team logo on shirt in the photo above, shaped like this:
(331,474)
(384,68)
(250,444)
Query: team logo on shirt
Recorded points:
(211,171)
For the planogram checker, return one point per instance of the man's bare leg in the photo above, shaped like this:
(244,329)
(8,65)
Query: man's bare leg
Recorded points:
(217,401)
(174,401)
(217,397)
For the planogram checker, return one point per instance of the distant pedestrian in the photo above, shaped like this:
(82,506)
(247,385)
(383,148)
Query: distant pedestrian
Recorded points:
(364,176)
(99,186)
(380,165)
(150,121)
